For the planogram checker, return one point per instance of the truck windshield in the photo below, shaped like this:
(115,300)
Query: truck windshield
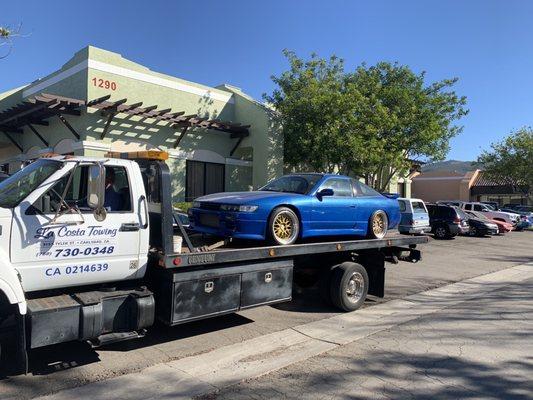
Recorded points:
(17,187)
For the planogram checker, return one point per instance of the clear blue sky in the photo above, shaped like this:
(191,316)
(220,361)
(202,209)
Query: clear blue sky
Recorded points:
(487,44)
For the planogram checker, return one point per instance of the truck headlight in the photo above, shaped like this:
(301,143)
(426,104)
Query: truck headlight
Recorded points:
(196,204)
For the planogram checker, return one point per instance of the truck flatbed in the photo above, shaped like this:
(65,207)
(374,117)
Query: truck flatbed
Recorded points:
(240,254)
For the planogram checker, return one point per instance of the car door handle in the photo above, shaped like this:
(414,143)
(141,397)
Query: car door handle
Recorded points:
(130,227)
(353,206)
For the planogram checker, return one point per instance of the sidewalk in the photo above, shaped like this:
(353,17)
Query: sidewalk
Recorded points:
(471,339)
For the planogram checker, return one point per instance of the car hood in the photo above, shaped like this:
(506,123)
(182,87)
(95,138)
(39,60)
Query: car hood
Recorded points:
(246,197)
(481,221)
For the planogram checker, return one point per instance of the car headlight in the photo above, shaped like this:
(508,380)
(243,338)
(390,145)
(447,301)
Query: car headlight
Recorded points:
(248,208)
(196,204)
(237,208)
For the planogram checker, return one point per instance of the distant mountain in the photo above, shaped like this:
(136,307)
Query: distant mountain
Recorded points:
(451,165)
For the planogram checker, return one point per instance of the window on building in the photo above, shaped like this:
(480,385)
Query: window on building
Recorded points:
(203,178)
(401,189)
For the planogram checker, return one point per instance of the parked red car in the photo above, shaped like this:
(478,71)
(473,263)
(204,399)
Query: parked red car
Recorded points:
(502,225)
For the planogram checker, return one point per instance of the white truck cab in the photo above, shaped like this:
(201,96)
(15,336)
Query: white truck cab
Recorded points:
(51,236)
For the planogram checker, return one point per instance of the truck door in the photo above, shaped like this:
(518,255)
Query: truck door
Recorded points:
(76,249)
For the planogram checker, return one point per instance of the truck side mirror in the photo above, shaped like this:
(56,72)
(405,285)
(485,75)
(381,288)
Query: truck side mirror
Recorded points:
(96,191)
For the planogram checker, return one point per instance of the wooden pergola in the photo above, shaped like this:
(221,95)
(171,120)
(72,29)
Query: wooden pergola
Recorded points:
(39,109)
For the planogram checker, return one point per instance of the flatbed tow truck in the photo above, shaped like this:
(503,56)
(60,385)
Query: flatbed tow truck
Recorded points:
(72,271)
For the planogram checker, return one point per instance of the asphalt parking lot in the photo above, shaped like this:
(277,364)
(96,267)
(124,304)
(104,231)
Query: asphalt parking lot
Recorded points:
(69,365)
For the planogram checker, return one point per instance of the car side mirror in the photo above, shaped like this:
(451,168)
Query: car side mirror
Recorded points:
(96,191)
(325,192)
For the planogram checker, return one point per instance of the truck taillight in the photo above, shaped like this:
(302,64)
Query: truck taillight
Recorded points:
(457,221)
(177,261)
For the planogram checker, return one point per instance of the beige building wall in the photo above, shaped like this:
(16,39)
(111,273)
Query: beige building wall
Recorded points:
(443,185)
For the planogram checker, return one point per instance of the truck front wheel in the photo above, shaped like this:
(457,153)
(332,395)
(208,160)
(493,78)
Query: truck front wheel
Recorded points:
(349,286)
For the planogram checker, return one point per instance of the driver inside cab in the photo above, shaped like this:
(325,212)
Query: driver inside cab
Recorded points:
(113,200)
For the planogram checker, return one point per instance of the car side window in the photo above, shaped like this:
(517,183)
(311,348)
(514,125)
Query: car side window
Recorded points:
(401,203)
(341,187)
(363,190)
(468,206)
(477,207)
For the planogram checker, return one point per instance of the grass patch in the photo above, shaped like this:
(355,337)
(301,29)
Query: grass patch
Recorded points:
(183,206)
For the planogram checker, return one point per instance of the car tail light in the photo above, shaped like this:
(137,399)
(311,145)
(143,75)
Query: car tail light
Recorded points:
(457,220)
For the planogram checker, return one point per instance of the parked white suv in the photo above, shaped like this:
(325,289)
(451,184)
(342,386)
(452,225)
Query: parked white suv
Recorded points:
(511,218)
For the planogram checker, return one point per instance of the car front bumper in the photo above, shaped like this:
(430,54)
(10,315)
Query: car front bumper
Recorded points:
(239,225)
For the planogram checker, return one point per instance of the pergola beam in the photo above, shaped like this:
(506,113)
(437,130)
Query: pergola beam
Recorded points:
(32,128)
(13,141)
(69,127)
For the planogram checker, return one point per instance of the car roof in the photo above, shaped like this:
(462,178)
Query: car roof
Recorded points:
(319,174)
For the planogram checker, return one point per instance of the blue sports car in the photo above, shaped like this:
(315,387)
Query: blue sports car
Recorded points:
(297,206)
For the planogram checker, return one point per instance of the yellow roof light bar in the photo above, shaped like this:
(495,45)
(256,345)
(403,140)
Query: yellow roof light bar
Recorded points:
(145,155)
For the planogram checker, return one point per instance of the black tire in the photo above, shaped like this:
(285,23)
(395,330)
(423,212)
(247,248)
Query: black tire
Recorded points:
(378,224)
(441,232)
(473,231)
(275,234)
(349,286)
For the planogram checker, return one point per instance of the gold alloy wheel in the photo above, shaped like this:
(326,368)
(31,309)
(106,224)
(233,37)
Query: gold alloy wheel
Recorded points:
(283,226)
(378,224)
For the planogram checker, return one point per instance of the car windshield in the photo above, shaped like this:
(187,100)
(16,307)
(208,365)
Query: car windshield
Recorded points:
(301,184)
(478,215)
(17,187)
(461,213)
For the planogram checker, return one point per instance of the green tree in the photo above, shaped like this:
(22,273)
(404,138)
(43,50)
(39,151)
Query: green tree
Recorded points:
(511,161)
(369,122)
(7,35)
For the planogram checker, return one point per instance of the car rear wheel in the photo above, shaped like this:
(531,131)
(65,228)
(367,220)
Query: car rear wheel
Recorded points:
(283,226)
(378,225)
(441,232)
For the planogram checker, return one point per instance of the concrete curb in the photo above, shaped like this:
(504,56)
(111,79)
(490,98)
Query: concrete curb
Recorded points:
(228,365)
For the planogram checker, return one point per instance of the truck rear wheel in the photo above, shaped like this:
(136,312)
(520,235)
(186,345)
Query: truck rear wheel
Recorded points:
(349,286)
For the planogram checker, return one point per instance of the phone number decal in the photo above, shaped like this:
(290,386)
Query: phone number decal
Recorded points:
(77,269)
(88,251)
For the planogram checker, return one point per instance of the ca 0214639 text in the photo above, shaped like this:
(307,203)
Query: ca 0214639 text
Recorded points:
(76,269)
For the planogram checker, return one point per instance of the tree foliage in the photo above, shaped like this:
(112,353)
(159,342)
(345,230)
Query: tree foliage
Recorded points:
(511,161)
(369,122)
(7,35)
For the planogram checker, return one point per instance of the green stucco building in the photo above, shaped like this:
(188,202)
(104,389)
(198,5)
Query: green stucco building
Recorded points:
(206,159)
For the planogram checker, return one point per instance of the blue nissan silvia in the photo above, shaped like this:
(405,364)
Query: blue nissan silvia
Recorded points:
(297,206)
